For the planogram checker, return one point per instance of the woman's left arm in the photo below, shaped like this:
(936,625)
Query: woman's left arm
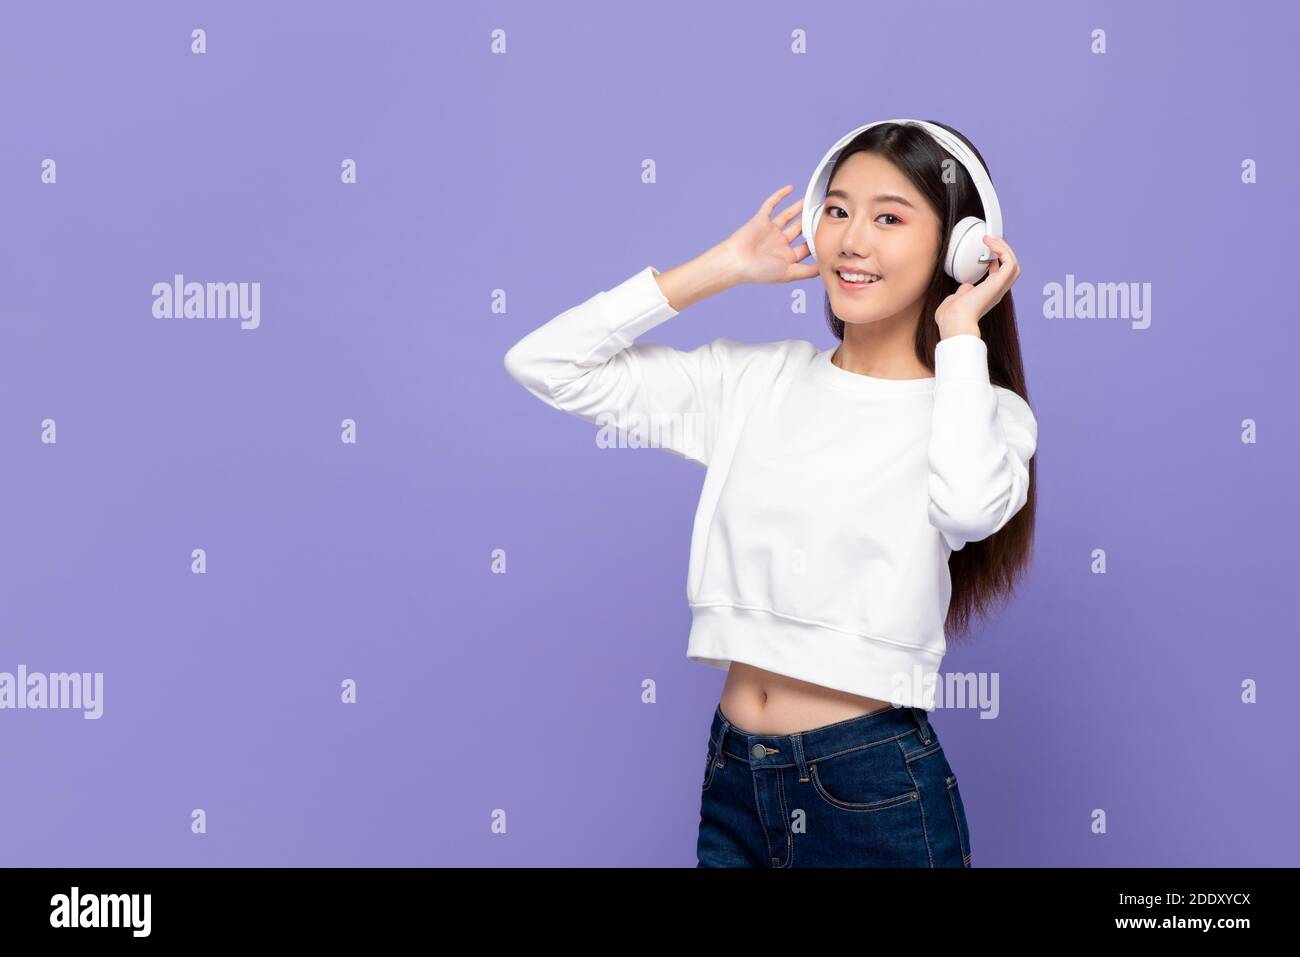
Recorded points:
(983,436)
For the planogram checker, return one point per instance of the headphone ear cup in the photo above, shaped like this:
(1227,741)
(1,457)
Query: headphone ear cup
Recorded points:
(816,218)
(965,246)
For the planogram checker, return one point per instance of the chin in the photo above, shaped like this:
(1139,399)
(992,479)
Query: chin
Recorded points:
(855,314)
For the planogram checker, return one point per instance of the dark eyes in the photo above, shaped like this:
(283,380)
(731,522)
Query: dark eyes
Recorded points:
(890,215)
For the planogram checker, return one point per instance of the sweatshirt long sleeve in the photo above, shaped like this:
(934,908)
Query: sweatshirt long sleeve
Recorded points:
(981,441)
(584,362)
(831,500)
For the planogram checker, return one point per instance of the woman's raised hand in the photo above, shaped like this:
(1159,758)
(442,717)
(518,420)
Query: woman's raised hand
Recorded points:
(760,249)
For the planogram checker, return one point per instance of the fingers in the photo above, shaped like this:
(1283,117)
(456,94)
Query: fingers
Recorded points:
(790,212)
(1002,273)
(801,252)
(1006,256)
(770,203)
(793,230)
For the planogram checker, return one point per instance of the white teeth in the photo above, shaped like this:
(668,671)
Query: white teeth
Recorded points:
(857,276)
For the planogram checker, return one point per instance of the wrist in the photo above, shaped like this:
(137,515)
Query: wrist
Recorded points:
(960,329)
(711,272)
(725,265)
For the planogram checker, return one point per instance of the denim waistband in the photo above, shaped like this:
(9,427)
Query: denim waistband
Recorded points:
(776,750)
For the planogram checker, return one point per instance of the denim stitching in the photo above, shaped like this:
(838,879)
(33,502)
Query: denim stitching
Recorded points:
(923,752)
(925,831)
(881,805)
(762,824)
(924,730)
(859,747)
(812,761)
(956,820)
(785,818)
(800,759)
(708,777)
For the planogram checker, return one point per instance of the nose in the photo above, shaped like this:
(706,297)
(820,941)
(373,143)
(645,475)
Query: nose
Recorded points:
(855,238)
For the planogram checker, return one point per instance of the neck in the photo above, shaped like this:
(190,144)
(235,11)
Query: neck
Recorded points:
(883,349)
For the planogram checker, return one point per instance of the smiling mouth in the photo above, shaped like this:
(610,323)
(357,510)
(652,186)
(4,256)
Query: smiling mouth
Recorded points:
(854,286)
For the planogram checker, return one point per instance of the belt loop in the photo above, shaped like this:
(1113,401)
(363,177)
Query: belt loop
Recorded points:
(796,745)
(720,759)
(923,725)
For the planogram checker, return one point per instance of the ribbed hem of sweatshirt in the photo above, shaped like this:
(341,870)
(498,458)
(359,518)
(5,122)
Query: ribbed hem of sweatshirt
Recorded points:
(904,675)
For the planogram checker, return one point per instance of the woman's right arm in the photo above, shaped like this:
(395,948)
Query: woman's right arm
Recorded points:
(584,361)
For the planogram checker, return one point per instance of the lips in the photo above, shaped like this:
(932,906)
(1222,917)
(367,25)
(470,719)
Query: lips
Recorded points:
(857,270)
(856,286)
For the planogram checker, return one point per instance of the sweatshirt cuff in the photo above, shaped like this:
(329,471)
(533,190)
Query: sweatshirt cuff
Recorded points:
(962,357)
(637,304)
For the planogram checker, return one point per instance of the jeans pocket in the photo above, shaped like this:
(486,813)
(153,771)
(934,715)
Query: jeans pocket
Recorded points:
(959,818)
(870,778)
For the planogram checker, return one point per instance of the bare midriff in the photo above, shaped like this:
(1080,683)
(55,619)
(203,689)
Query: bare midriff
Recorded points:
(767,703)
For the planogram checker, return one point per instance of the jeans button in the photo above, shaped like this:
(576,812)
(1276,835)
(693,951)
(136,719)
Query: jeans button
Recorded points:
(757,751)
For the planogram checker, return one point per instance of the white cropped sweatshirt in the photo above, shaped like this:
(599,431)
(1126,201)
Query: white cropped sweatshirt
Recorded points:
(831,501)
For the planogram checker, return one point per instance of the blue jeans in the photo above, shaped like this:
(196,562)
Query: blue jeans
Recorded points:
(870,791)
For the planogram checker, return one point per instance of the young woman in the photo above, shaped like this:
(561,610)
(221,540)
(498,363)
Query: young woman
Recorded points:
(860,502)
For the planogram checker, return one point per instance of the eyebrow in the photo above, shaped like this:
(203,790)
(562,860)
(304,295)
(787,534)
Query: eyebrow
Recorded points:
(882,198)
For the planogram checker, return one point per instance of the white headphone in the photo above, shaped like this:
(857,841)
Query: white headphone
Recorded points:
(968,258)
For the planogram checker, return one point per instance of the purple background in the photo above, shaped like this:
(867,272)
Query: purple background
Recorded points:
(522,172)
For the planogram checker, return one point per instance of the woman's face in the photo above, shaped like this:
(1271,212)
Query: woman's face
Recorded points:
(874,221)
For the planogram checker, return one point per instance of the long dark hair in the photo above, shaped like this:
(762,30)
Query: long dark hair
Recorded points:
(985,573)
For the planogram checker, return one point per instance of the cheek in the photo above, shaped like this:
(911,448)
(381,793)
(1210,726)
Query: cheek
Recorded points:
(915,262)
